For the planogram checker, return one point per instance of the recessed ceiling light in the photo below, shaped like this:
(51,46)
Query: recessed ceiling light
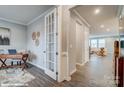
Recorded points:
(102,26)
(108,29)
(97,11)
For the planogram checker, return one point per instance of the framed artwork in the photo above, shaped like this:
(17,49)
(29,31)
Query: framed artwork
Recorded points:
(5,36)
(34,35)
(35,38)
(38,34)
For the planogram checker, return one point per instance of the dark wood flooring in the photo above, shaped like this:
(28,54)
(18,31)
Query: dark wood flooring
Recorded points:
(96,73)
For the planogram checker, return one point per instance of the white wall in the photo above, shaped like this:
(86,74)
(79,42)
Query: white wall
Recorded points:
(68,48)
(69,40)
(82,44)
(79,40)
(18,36)
(110,44)
(72,44)
(79,43)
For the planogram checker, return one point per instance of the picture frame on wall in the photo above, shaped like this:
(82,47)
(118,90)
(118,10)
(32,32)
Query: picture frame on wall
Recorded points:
(5,35)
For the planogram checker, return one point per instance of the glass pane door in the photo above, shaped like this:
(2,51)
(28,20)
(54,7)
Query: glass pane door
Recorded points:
(51,44)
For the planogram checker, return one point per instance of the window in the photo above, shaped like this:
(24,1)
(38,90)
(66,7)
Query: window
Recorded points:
(97,43)
(94,43)
(122,38)
(101,43)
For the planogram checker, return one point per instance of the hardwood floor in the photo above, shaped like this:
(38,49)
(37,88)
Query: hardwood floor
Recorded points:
(96,73)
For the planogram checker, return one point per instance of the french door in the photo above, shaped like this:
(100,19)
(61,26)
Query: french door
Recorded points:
(51,44)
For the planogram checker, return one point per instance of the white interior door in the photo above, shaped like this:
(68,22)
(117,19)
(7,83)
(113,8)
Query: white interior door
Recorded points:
(51,44)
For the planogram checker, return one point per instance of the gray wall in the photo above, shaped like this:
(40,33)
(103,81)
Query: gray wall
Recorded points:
(110,44)
(18,36)
(37,51)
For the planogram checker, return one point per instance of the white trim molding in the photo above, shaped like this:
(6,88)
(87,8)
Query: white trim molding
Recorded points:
(41,15)
(26,24)
(80,17)
(40,67)
(68,78)
(12,21)
(59,64)
(82,64)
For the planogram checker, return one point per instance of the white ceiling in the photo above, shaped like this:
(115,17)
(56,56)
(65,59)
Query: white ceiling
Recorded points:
(22,14)
(107,17)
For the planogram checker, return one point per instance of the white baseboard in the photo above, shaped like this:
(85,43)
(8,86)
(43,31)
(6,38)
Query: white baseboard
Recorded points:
(64,78)
(80,64)
(36,65)
(73,71)
(68,78)
(60,79)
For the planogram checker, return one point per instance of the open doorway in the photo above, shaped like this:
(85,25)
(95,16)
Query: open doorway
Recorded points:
(95,44)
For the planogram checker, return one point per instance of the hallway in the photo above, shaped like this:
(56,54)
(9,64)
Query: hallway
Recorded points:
(97,73)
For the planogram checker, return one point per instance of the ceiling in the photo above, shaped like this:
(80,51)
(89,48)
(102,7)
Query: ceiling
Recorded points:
(22,14)
(104,22)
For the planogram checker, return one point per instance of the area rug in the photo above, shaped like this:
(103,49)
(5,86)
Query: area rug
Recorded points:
(15,77)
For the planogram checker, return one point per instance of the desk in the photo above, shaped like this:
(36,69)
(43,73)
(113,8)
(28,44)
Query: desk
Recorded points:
(21,57)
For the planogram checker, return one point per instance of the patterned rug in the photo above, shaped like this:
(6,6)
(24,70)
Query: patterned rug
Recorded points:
(15,77)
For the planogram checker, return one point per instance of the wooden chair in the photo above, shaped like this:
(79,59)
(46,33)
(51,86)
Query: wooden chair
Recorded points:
(24,59)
